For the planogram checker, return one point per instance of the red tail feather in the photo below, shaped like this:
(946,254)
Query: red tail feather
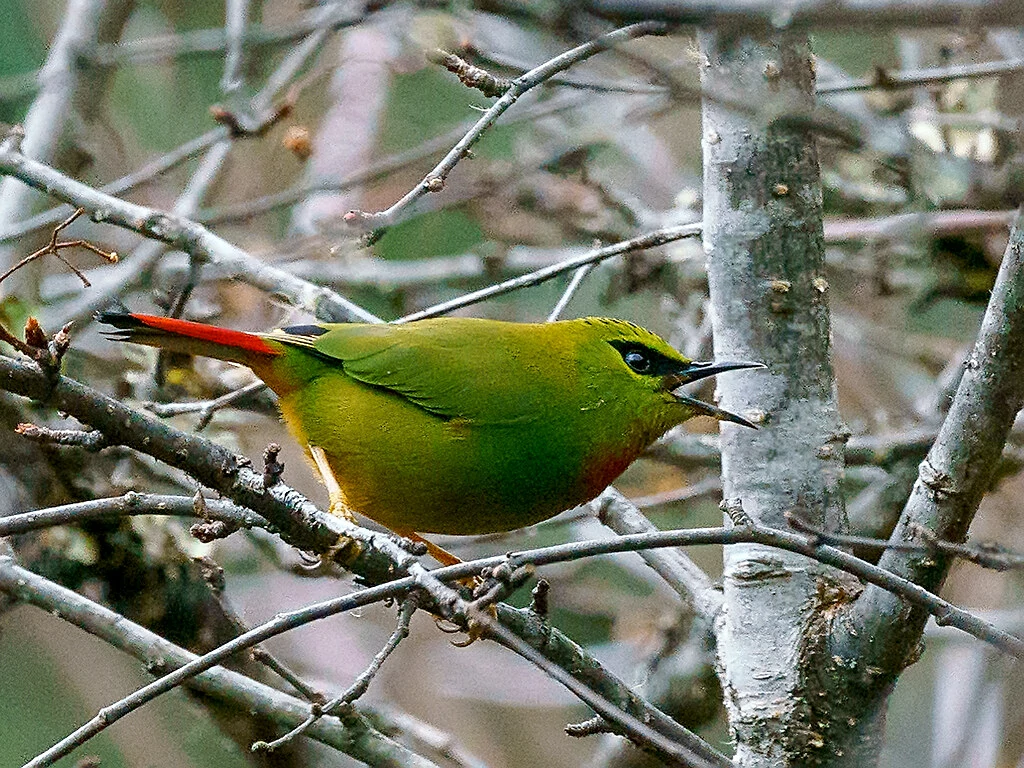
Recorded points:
(249,342)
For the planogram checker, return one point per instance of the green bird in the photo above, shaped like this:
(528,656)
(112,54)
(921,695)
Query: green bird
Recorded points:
(458,425)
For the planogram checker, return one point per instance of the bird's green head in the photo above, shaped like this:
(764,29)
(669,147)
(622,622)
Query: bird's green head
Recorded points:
(632,359)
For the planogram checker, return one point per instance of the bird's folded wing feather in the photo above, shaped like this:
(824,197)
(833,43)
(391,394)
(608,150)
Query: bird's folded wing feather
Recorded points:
(433,368)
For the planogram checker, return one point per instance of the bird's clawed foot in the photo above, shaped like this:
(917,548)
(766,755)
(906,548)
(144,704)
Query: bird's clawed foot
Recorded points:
(490,587)
(345,549)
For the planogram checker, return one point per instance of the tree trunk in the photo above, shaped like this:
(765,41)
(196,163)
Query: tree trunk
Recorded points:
(769,300)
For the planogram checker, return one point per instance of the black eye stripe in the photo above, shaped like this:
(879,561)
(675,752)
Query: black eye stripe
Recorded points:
(657,364)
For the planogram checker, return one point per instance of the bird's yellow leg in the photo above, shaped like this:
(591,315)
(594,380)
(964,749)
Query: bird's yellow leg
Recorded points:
(337,501)
(337,504)
(339,507)
(443,556)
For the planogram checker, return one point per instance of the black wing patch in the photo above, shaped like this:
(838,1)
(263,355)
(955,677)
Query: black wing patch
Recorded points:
(305,330)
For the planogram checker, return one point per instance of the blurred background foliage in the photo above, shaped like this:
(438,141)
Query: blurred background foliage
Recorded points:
(610,150)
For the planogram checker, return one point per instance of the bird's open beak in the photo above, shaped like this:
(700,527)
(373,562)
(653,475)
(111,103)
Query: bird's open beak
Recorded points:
(698,370)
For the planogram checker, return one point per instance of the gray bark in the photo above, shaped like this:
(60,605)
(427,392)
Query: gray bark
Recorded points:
(765,247)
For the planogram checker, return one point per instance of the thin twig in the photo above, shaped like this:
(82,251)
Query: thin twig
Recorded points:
(267,659)
(205,408)
(506,61)
(649,240)
(54,248)
(131,503)
(361,683)
(354,737)
(883,79)
(570,289)
(358,688)
(435,179)
(90,440)
(991,556)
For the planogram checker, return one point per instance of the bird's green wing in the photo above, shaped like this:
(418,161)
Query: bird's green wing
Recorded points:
(452,369)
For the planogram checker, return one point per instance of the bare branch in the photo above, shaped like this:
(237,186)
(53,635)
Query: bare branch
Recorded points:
(991,556)
(54,248)
(205,408)
(358,688)
(434,180)
(676,568)
(957,471)
(909,78)
(130,504)
(766,16)
(355,737)
(570,289)
(181,233)
(649,240)
(267,659)
(90,440)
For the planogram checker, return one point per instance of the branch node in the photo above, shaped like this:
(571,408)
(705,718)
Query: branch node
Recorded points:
(212,573)
(272,468)
(938,483)
(92,440)
(208,530)
(243,126)
(733,508)
(539,604)
(591,727)
(211,530)
(12,140)
(416,548)
(470,75)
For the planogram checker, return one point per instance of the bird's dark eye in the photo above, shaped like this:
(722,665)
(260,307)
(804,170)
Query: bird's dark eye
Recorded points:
(638,361)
